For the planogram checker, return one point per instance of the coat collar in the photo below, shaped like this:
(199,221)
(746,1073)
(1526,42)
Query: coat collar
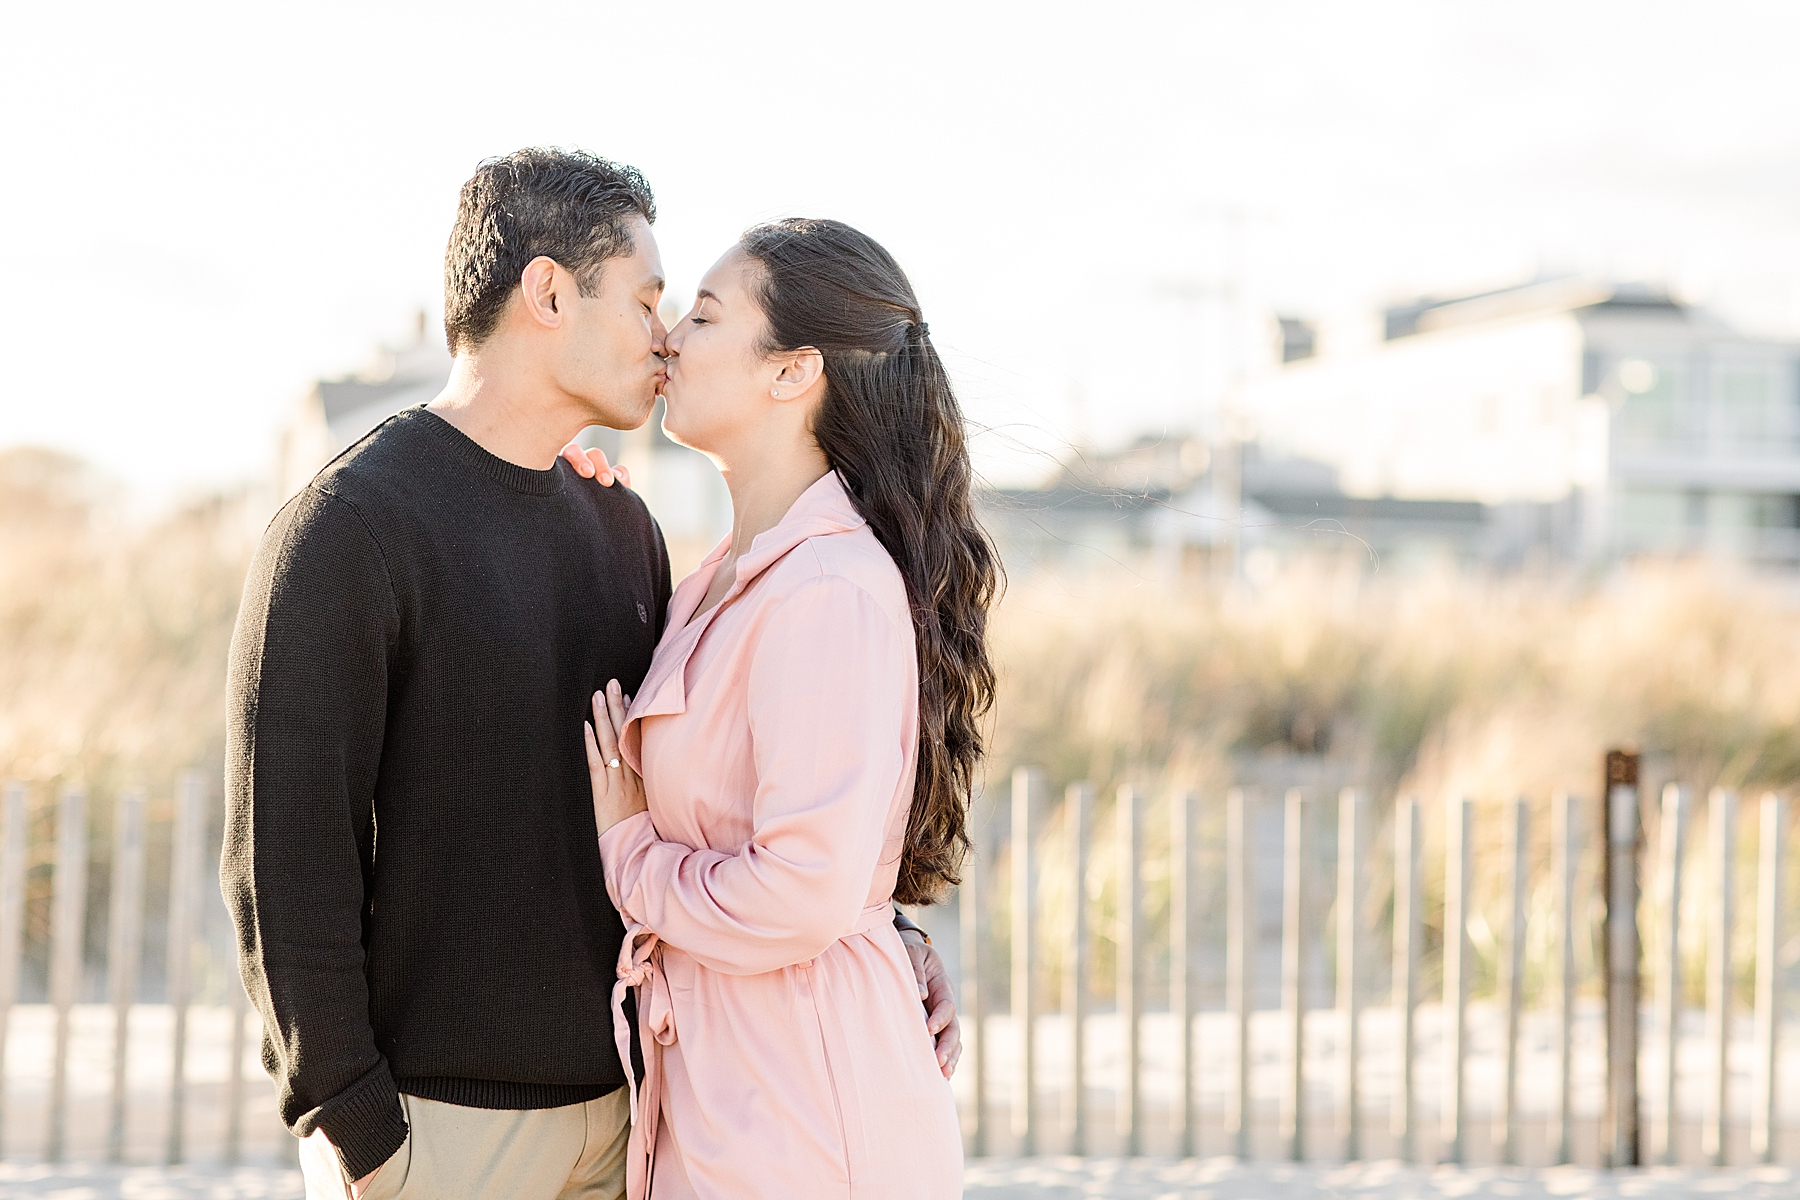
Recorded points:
(824,508)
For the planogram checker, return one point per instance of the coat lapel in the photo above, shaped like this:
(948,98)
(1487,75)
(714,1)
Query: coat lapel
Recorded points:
(824,508)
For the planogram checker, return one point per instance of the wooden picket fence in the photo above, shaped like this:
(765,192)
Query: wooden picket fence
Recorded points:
(1010,846)
(191,869)
(1641,1075)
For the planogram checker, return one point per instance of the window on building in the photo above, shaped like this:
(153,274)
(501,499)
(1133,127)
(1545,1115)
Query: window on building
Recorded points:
(1694,505)
(1652,414)
(1298,339)
(1746,406)
(1775,510)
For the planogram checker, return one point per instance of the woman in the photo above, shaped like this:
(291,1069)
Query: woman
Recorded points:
(806,738)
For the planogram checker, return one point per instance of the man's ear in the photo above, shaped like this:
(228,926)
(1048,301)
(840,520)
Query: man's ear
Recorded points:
(539,284)
(799,372)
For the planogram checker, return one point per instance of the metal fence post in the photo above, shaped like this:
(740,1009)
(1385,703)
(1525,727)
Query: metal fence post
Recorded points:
(1240,952)
(1513,981)
(1027,789)
(1181,960)
(1351,808)
(974,995)
(1668,999)
(1130,964)
(125,929)
(1619,817)
(184,919)
(1457,867)
(68,922)
(12,916)
(1771,850)
(1079,801)
(1293,979)
(1566,855)
(1723,851)
(1408,934)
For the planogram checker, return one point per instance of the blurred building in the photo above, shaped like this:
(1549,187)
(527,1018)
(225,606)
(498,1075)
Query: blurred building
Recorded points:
(1176,506)
(1590,420)
(335,413)
(1566,421)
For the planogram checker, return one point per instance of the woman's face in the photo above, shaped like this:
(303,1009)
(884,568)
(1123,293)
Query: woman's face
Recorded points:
(719,381)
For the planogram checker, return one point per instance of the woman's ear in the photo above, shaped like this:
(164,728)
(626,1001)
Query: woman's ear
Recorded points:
(799,373)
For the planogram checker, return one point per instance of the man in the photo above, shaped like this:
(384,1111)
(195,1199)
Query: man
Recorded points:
(410,853)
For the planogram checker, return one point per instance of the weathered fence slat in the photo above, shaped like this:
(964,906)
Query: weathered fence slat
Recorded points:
(1079,802)
(1131,967)
(1408,934)
(1668,996)
(184,922)
(1182,998)
(1240,935)
(1619,813)
(1723,853)
(239,1004)
(124,934)
(1512,986)
(974,996)
(1352,808)
(1565,815)
(1458,864)
(68,920)
(1772,851)
(1293,977)
(12,917)
(1027,791)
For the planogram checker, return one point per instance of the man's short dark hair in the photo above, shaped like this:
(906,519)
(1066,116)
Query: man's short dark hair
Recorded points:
(568,205)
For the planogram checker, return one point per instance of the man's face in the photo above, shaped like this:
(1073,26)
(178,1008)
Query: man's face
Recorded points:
(611,354)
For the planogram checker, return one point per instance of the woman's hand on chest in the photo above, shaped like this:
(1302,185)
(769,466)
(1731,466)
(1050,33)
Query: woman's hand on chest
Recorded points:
(618,792)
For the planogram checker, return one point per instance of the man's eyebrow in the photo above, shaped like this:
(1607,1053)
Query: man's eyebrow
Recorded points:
(657,282)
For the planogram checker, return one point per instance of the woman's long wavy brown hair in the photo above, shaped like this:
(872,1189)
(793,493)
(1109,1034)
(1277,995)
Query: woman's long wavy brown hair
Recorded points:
(890,426)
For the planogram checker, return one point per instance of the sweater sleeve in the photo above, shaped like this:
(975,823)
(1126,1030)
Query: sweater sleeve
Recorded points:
(830,684)
(306,711)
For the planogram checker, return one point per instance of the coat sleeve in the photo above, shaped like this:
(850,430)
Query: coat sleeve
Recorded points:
(832,687)
(306,716)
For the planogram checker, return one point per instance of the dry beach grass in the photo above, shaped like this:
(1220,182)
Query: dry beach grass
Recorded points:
(113,637)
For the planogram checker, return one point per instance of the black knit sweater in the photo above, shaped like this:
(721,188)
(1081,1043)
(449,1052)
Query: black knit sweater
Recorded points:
(410,853)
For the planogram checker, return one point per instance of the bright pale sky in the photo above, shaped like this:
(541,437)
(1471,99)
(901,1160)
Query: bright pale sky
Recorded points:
(209,205)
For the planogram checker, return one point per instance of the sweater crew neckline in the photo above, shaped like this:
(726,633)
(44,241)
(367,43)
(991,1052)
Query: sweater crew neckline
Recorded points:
(507,474)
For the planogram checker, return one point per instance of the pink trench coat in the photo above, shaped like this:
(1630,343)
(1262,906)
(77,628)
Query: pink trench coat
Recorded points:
(785,1045)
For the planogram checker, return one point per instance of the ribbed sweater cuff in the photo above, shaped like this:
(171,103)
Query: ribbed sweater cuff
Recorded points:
(365,1123)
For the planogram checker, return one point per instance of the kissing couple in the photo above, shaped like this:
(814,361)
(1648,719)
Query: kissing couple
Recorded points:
(550,880)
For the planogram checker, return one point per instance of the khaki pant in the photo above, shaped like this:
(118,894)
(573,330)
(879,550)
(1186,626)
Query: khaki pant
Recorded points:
(576,1152)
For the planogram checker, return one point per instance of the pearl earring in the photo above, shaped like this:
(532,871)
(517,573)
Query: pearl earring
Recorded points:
(774,393)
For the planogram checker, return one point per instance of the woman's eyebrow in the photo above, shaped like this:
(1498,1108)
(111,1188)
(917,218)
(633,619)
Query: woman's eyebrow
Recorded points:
(703,294)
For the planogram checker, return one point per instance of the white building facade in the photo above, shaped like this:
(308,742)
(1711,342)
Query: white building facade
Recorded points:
(1650,426)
